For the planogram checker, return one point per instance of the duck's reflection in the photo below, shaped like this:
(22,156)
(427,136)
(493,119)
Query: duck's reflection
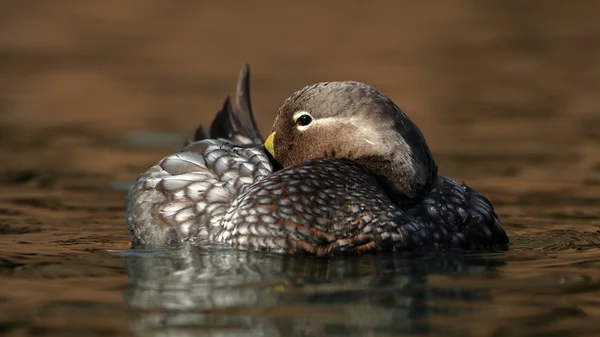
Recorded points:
(222,292)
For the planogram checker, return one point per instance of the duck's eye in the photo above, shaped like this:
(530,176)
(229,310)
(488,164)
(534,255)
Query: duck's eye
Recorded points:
(303,120)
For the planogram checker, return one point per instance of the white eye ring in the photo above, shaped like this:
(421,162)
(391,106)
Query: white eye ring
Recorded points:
(300,117)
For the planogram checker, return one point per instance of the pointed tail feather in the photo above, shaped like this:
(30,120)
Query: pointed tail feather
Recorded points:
(242,107)
(234,122)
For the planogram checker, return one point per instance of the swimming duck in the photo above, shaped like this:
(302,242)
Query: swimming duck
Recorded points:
(344,171)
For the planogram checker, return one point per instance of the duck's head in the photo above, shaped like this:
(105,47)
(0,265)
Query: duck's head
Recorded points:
(355,121)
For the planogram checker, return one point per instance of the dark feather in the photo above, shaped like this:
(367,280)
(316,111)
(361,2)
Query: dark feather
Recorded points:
(234,122)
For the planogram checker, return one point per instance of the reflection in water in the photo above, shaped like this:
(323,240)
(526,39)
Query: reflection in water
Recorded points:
(230,292)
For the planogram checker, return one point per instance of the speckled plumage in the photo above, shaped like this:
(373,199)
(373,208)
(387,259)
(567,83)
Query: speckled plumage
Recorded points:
(343,198)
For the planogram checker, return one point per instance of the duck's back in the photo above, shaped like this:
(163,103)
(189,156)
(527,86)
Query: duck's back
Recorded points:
(219,193)
(186,195)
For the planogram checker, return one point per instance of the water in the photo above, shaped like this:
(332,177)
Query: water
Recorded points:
(91,95)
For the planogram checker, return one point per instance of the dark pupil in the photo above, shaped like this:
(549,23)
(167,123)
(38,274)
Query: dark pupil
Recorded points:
(304,120)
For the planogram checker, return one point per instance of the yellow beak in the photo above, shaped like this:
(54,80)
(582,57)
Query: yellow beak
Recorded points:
(269,144)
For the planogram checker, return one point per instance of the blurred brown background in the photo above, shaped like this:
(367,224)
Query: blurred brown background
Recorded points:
(501,89)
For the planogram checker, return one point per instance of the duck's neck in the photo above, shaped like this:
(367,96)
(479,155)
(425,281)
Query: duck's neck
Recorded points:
(406,182)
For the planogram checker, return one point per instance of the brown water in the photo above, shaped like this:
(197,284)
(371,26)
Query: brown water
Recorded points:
(92,93)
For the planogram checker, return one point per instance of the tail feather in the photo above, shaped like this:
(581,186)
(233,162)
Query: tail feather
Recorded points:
(242,107)
(224,125)
(234,122)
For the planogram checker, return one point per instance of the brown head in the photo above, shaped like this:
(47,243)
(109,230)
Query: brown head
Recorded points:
(353,120)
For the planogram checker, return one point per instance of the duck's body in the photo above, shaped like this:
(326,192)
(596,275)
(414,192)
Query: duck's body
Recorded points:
(341,200)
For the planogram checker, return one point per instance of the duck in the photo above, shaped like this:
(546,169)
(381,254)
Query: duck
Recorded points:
(344,171)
